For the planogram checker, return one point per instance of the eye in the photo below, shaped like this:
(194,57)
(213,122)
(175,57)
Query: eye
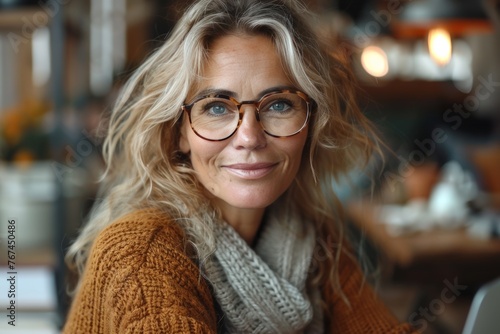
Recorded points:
(216,109)
(279,106)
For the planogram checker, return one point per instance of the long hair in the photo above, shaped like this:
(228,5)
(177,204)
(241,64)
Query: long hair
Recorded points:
(146,169)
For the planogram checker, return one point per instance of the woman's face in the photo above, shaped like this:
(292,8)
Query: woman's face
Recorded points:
(250,169)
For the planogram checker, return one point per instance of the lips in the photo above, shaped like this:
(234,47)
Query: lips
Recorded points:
(250,171)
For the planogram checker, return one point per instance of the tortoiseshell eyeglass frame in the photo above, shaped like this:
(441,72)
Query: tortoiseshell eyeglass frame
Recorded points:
(310,103)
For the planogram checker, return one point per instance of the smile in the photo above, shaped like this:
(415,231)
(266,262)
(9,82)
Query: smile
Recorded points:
(250,171)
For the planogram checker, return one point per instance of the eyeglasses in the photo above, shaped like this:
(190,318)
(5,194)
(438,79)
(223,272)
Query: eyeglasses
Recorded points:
(283,113)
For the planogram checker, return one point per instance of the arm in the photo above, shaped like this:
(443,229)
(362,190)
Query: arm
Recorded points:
(139,279)
(366,314)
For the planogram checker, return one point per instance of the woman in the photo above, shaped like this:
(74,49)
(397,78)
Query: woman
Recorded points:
(215,216)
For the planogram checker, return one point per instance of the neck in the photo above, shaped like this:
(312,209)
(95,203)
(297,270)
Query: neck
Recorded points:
(246,222)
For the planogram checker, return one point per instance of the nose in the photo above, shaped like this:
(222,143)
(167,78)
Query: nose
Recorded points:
(250,134)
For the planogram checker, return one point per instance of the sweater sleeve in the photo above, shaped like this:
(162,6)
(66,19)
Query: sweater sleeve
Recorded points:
(139,279)
(366,313)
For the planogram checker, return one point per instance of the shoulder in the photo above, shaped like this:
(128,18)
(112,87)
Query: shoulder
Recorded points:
(138,233)
(357,308)
(142,224)
(141,241)
(139,278)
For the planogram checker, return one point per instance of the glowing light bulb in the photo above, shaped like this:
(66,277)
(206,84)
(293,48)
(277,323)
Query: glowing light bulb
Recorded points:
(439,42)
(374,61)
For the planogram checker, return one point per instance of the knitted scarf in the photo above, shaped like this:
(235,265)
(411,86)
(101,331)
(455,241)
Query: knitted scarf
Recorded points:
(263,290)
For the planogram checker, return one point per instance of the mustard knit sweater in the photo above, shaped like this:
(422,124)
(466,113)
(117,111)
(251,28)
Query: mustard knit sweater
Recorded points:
(140,278)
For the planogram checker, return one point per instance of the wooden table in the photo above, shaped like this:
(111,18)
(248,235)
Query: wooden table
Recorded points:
(431,255)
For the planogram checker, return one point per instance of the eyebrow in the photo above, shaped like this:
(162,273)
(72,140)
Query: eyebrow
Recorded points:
(215,91)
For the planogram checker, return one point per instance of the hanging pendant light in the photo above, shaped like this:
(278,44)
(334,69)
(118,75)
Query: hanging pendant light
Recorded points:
(374,61)
(440,46)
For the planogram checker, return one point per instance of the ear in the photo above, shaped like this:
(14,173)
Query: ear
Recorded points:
(183,141)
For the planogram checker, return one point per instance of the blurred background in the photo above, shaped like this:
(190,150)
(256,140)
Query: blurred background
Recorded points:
(429,77)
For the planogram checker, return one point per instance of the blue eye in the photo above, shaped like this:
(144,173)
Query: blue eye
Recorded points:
(217,109)
(279,106)
(214,107)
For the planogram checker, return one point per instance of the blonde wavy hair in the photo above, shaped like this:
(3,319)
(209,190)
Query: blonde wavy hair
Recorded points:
(146,169)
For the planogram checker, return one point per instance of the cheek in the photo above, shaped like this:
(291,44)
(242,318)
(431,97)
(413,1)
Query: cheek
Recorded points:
(201,159)
(198,149)
(205,161)
(204,156)
(296,149)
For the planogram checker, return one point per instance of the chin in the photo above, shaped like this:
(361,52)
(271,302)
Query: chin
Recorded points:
(245,197)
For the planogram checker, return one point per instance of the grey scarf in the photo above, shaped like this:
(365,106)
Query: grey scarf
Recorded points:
(263,290)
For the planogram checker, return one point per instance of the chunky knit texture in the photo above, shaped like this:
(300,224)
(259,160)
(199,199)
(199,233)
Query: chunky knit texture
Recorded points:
(263,290)
(140,278)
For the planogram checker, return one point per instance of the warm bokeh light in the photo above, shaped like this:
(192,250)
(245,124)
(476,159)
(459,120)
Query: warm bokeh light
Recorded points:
(439,42)
(374,61)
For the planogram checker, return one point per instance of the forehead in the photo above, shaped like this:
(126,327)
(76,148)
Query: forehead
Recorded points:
(238,43)
(234,62)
